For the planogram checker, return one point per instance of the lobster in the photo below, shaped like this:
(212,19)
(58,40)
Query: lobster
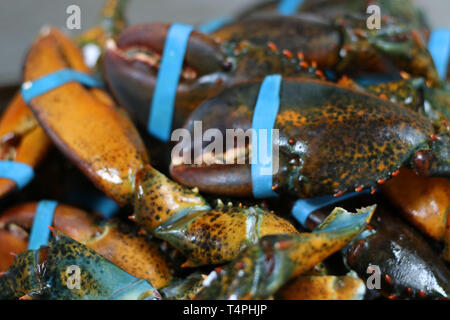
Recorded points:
(131,66)
(250,49)
(405,262)
(256,241)
(118,164)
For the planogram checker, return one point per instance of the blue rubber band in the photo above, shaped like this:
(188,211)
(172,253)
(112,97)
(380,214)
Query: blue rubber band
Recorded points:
(214,25)
(43,218)
(93,200)
(32,89)
(19,172)
(163,102)
(288,7)
(439,47)
(105,206)
(264,117)
(304,207)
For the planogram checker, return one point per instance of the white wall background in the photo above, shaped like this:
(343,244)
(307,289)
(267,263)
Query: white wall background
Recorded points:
(20,20)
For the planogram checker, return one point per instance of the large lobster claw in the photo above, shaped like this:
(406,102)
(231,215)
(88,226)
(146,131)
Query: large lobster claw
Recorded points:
(331,140)
(343,44)
(131,68)
(67,112)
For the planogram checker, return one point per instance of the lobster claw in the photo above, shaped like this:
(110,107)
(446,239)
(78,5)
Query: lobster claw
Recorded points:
(131,66)
(46,274)
(393,246)
(234,228)
(72,128)
(21,139)
(119,243)
(259,271)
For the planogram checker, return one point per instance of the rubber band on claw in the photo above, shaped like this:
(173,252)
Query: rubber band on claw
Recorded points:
(40,233)
(32,89)
(264,116)
(19,172)
(163,102)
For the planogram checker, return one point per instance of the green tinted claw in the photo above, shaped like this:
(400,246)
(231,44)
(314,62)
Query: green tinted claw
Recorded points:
(68,270)
(218,235)
(205,235)
(264,268)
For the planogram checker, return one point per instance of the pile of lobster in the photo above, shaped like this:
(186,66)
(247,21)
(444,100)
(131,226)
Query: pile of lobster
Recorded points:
(360,112)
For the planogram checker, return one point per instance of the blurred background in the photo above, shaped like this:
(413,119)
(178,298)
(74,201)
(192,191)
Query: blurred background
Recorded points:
(20,20)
